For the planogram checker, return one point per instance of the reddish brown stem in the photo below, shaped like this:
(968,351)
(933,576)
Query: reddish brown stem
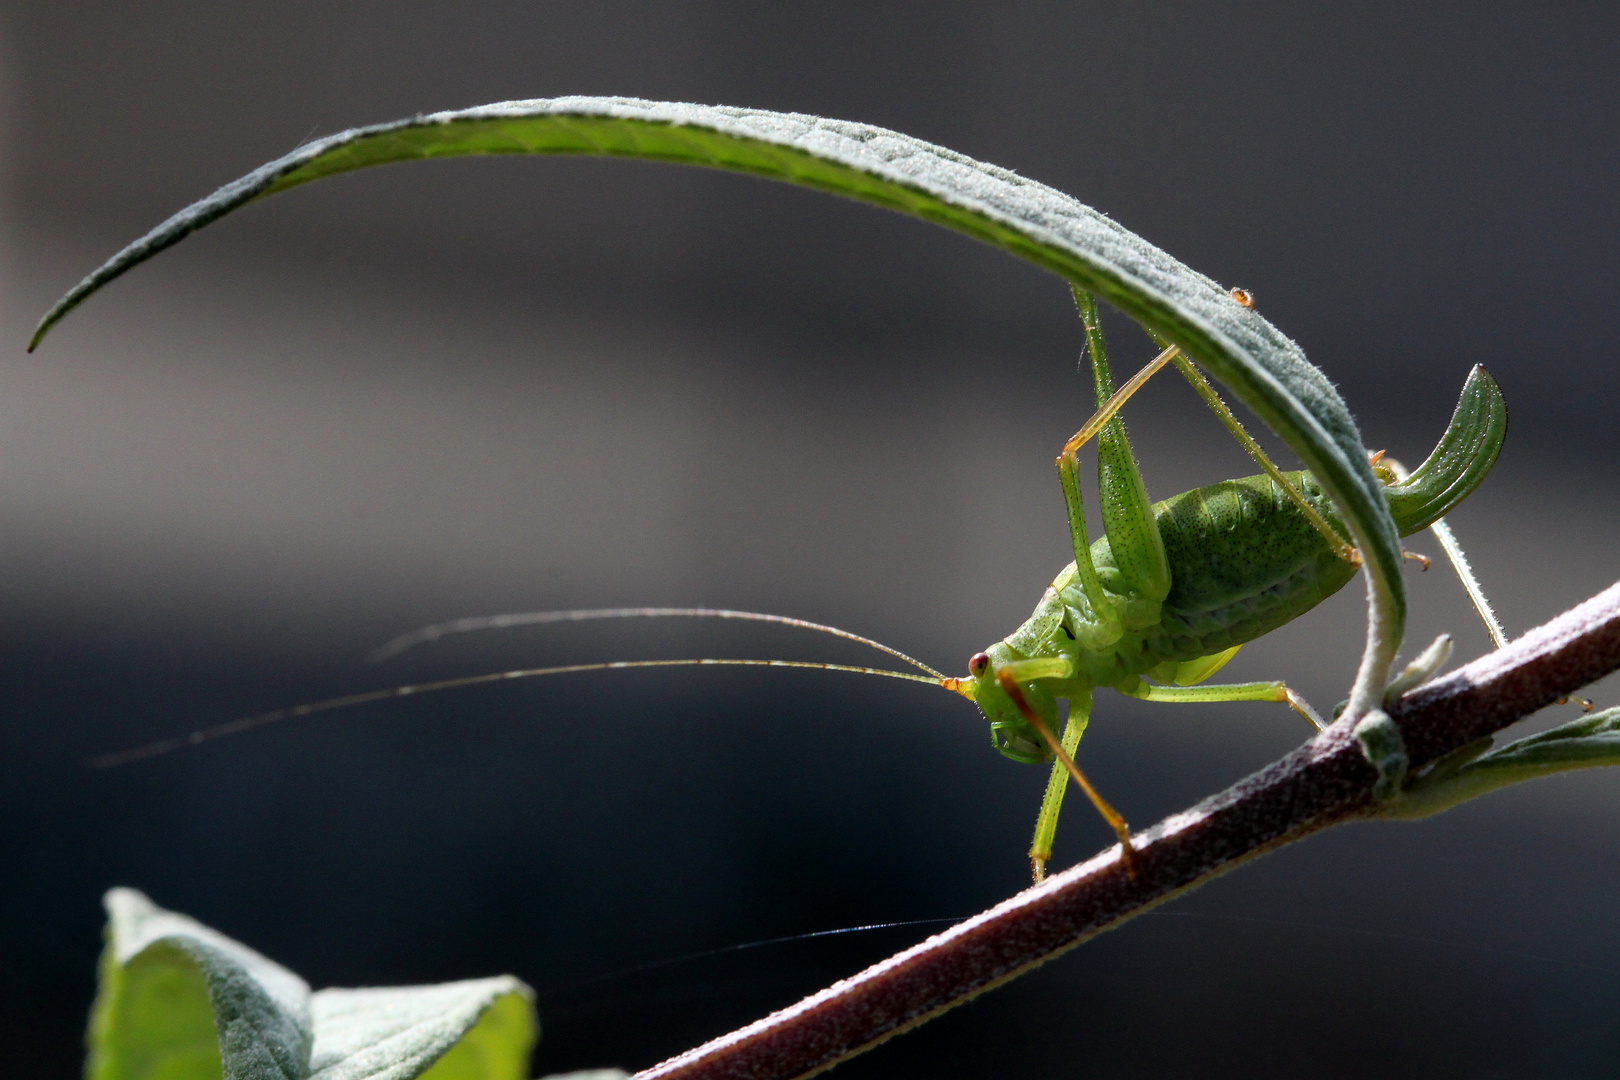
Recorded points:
(1326,781)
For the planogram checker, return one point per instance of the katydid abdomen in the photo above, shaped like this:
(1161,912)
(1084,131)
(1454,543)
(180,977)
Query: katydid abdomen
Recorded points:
(1243,562)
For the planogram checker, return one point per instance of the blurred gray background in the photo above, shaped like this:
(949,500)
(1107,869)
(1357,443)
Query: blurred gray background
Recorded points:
(419,393)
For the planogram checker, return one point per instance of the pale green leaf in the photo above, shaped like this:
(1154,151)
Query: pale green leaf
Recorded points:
(179,1001)
(1053,230)
(481,1029)
(171,987)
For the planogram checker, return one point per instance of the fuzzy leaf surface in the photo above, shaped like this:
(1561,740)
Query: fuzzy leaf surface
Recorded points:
(179,1001)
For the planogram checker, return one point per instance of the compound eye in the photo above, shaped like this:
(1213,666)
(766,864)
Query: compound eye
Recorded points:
(978,664)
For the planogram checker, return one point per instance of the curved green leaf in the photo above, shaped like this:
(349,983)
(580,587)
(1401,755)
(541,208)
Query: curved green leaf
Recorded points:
(179,1001)
(1235,344)
(1459,462)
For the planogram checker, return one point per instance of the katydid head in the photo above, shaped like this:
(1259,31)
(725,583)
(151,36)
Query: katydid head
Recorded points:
(1010,732)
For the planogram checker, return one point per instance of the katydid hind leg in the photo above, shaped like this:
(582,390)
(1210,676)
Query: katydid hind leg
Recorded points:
(1107,627)
(1476,595)
(1465,573)
(1213,400)
(1127,512)
(1103,627)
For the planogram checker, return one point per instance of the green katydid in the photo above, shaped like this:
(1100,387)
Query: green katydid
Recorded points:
(1173,588)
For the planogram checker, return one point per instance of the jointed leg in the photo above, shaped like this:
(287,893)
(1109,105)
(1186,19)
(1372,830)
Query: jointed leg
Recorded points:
(1254,691)
(1117,401)
(1107,628)
(1128,519)
(1459,561)
(1040,848)
(1173,353)
(1046,824)
(1218,407)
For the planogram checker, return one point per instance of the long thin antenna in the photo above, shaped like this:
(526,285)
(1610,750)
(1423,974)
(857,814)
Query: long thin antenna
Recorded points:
(1459,563)
(435,631)
(236,727)
(1465,573)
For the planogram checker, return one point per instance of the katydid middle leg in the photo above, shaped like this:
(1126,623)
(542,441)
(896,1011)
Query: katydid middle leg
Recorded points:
(1251,691)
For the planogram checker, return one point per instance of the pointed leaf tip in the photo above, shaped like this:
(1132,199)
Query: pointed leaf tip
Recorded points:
(1459,462)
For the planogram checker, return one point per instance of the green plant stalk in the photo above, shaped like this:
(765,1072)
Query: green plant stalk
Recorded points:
(1327,781)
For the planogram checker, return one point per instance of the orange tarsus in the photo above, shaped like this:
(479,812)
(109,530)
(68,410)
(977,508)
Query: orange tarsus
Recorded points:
(1244,297)
(1382,469)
